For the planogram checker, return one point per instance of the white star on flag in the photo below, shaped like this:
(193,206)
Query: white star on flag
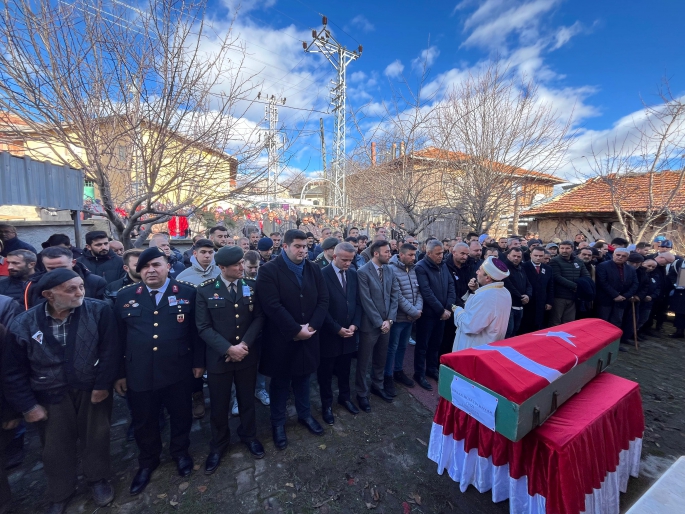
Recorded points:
(565,336)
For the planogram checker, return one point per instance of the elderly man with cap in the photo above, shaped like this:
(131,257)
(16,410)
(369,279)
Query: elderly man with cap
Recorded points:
(642,298)
(265,247)
(61,360)
(485,317)
(163,353)
(616,285)
(202,266)
(326,256)
(229,320)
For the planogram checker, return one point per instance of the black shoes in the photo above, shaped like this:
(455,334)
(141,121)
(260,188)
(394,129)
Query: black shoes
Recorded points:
(59,507)
(351,407)
(382,394)
(256,448)
(364,403)
(389,386)
(312,425)
(433,373)
(212,462)
(280,439)
(102,492)
(423,382)
(141,480)
(327,415)
(184,465)
(403,379)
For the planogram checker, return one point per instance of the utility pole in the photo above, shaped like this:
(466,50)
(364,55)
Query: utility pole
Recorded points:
(329,197)
(273,144)
(323,42)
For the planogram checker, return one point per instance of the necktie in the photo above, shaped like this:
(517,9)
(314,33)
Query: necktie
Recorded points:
(344,280)
(380,274)
(232,292)
(153,295)
(537,268)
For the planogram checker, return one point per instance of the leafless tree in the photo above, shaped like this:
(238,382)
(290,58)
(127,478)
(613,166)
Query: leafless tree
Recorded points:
(501,142)
(148,101)
(644,171)
(392,181)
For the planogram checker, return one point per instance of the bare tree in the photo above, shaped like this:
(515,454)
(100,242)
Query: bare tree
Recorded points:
(389,179)
(494,127)
(147,101)
(643,172)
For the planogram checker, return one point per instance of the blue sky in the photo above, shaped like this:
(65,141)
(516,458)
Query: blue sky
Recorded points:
(600,58)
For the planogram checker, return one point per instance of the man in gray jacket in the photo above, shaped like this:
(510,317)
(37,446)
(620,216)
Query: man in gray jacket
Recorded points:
(410,305)
(378,292)
(202,265)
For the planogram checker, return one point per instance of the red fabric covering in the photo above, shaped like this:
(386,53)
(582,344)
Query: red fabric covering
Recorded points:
(516,384)
(572,452)
(178,226)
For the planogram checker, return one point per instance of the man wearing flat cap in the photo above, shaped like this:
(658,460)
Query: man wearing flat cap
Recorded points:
(616,284)
(326,256)
(485,316)
(162,354)
(229,321)
(61,360)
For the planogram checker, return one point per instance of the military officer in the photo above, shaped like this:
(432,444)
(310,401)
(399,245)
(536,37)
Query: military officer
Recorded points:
(163,353)
(229,321)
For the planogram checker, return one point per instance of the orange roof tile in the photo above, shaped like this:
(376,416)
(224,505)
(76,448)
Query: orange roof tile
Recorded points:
(440,154)
(595,195)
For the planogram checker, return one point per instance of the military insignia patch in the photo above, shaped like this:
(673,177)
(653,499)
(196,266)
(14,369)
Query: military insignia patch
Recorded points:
(139,290)
(174,289)
(180,317)
(127,305)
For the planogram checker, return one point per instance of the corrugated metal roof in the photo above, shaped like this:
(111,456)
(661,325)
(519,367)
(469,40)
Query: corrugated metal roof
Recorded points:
(24,181)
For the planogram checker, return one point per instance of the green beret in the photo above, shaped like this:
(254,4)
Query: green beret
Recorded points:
(329,242)
(228,256)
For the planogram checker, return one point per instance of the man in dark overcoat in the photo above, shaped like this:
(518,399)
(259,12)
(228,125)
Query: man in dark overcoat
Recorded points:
(294,297)
(229,321)
(541,301)
(339,333)
(163,353)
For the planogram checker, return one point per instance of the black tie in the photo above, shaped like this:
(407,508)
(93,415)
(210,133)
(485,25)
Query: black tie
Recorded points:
(232,292)
(344,280)
(380,274)
(153,295)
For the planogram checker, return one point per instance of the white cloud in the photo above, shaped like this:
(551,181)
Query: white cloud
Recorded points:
(394,69)
(361,22)
(564,35)
(426,57)
(357,76)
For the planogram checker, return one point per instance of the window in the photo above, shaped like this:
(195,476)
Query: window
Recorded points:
(121,153)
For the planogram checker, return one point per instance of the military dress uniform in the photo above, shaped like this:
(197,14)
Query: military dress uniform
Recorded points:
(162,347)
(225,318)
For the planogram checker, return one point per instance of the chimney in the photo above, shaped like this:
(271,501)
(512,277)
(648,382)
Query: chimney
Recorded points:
(373,154)
(401,148)
(393,151)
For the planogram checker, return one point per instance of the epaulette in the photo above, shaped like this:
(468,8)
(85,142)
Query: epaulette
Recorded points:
(207,282)
(186,283)
(128,285)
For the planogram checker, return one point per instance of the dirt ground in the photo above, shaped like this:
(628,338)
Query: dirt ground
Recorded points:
(369,463)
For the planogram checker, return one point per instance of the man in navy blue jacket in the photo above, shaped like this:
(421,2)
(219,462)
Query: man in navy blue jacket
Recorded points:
(616,284)
(437,289)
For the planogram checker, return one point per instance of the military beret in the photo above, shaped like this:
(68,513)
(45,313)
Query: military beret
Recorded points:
(666,244)
(309,234)
(329,242)
(151,253)
(265,244)
(228,256)
(635,257)
(55,278)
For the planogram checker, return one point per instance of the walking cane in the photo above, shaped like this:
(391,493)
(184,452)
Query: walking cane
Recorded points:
(634,325)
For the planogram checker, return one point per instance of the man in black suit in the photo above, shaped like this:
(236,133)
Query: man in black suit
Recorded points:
(541,301)
(229,321)
(292,292)
(616,284)
(338,335)
(163,353)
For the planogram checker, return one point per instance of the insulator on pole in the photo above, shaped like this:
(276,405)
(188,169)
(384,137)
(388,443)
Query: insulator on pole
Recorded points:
(304,45)
(324,19)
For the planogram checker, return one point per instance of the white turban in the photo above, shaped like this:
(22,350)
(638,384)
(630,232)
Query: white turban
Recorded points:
(495,268)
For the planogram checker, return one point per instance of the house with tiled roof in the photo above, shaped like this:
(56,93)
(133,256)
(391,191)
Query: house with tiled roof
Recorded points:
(592,207)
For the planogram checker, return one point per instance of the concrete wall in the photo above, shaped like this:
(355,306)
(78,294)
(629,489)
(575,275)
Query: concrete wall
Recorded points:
(35,232)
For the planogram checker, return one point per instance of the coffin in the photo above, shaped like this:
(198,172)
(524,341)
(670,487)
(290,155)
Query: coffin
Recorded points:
(524,379)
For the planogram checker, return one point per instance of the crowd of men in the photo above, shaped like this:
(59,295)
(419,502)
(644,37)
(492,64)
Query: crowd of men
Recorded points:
(155,325)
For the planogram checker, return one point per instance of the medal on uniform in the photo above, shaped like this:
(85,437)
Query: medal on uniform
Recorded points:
(127,305)
(134,305)
(180,317)
(172,301)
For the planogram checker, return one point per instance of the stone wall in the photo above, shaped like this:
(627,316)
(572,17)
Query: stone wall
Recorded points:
(36,232)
